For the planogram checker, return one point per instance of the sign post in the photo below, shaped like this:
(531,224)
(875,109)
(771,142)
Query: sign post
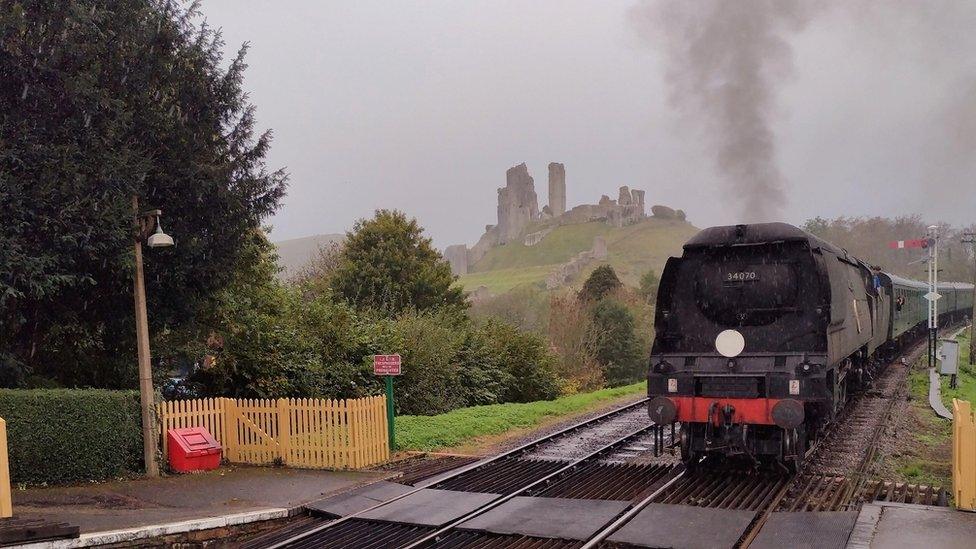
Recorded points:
(388,366)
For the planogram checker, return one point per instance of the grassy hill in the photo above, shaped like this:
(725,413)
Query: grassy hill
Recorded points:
(633,250)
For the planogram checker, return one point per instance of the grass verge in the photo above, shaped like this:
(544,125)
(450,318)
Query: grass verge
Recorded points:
(923,452)
(465,425)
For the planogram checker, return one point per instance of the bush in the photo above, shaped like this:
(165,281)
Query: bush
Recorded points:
(571,337)
(529,366)
(602,282)
(70,435)
(430,345)
(617,346)
(649,284)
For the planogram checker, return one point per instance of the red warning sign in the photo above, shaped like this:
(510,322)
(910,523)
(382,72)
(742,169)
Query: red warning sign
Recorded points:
(386,365)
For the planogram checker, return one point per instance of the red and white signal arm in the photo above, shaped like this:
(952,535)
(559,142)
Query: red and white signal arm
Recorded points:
(386,365)
(917,243)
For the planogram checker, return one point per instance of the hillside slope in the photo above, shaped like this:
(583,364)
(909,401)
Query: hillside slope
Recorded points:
(293,254)
(632,251)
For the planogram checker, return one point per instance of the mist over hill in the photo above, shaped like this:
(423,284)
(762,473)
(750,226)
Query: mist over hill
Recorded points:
(295,253)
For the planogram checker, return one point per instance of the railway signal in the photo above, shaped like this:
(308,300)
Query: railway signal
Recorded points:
(916,243)
(933,295)
(931,243)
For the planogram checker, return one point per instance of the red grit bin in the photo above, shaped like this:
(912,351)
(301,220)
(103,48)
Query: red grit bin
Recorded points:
(192,449)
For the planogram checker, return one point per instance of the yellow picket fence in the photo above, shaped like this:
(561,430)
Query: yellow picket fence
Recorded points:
(298,432)
(963,455)
(6,509)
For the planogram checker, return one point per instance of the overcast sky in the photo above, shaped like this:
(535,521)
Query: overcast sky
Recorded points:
(423,106)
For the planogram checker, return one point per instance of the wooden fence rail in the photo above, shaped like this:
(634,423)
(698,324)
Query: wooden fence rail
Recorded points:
(298,432)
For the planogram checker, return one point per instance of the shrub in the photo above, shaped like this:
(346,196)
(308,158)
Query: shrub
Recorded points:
(69,435)
(529,366)
(430,345)
(649,284)
(616,343)
(571,338)
(602,281)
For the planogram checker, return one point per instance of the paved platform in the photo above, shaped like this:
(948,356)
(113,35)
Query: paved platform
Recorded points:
(823,530)
(897,525)
(684,527)
(430,507)
(229,490)
(359,499)
(548,517)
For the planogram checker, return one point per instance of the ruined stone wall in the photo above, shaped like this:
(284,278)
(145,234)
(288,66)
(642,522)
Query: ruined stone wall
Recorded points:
(567,272)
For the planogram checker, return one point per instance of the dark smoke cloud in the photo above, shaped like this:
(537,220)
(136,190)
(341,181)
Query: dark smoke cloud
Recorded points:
(724,61)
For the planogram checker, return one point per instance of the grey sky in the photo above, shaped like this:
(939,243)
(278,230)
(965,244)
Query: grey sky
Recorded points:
(423,106)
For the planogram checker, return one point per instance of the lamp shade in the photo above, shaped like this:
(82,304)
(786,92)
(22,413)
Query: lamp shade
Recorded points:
(159,239)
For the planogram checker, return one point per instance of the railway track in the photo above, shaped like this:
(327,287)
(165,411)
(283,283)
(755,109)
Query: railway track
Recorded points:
(601,460)
(544,465)
(836,477)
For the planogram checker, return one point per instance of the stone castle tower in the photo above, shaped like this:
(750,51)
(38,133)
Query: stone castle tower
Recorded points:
(557,189)
(517,203)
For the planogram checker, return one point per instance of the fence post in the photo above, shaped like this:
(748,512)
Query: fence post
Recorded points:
(963,455)
(230,426)
(284,429)
(6,508)
(161,423)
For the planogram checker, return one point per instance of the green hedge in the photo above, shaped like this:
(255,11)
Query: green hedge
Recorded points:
(67,435)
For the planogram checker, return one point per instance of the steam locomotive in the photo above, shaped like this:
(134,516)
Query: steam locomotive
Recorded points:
(762,332)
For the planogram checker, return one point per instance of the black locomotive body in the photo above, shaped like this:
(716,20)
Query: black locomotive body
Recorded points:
(762,331)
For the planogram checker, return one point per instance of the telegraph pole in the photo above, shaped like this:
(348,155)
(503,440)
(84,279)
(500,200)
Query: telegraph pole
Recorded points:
(970,238)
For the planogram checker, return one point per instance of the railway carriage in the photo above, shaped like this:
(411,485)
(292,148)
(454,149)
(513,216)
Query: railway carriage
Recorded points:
(763,330)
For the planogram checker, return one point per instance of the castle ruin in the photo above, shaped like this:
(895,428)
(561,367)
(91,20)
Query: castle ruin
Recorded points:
(517,204)
(518,208)
(557,189)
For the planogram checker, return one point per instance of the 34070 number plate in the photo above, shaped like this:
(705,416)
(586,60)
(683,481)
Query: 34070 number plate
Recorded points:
(741,276)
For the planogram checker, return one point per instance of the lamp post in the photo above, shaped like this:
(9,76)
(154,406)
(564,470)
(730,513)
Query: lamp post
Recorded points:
(144,223)
(970,238)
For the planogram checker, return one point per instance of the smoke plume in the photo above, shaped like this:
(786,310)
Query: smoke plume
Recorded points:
(724,60)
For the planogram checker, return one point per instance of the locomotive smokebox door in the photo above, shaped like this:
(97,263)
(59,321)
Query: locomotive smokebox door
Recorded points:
(949,356)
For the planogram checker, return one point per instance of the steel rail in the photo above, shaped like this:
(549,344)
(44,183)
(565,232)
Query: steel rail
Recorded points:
(510,453)
(752,531)
(432,537)
(630,513)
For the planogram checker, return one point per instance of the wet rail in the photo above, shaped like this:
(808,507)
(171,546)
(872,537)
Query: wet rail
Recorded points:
(506,474)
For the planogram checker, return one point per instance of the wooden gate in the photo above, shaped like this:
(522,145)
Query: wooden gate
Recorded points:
(310,433)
